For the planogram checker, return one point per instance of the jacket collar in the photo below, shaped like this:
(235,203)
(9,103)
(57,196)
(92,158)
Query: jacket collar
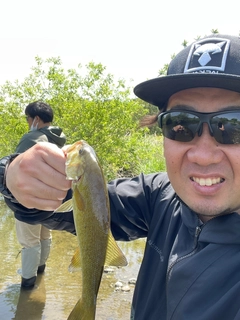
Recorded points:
(220,230)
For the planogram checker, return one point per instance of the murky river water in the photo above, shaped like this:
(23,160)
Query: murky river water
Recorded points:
(57,290)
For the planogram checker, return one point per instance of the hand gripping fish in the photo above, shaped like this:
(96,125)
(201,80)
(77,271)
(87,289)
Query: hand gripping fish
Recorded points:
(90,204)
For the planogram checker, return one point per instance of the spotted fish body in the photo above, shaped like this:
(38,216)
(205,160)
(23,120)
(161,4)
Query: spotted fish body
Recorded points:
(90,204)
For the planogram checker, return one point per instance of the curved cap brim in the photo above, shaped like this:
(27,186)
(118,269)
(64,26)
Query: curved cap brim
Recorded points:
(157,91)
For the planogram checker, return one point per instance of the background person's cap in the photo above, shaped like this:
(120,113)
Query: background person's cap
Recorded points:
(213,61)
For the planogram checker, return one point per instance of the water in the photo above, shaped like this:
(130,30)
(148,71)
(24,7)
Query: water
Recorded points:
(57,290)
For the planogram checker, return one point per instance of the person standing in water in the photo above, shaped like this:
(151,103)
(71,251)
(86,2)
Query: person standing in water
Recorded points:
(36,239)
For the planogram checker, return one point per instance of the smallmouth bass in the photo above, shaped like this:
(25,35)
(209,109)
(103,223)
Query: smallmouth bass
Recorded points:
(90,204)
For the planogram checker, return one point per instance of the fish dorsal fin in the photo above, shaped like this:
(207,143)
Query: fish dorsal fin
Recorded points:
(75,264)
(114,255)
(65,206)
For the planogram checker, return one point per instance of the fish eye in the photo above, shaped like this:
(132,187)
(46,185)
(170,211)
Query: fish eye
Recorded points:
(81,151)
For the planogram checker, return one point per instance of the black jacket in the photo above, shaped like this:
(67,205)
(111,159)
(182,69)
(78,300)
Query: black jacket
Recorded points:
(190,270)
(46,134)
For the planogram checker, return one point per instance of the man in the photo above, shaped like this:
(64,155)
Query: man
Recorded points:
(190,215)
(36,239)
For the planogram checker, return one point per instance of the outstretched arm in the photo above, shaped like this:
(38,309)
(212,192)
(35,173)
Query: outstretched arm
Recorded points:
(36,178)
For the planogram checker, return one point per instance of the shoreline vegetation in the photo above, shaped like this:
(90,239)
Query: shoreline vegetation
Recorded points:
(89,104)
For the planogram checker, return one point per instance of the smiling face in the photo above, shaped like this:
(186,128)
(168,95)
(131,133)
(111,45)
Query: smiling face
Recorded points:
(204,173)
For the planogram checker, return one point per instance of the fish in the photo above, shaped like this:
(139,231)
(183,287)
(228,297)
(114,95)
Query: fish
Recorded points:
(91,212)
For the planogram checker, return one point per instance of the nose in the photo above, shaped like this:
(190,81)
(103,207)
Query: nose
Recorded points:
(205,149)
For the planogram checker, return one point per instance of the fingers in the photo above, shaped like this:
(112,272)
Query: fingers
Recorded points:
(46,163)
(37,179)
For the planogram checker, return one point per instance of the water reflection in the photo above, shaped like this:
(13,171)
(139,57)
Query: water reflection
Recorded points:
(31,303)
(57,291)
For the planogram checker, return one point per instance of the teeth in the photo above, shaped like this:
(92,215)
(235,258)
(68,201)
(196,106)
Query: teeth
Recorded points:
(207,182)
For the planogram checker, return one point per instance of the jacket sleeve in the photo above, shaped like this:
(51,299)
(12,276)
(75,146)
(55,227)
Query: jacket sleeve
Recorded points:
(133,202)
(50,219)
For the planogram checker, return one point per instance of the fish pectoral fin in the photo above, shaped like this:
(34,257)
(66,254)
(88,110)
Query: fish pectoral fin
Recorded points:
(65,206)
(114,255)
(75,264)
(79,200)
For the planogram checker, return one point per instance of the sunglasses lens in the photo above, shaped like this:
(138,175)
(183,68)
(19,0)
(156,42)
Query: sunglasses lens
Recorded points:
(226,127)
(179,126)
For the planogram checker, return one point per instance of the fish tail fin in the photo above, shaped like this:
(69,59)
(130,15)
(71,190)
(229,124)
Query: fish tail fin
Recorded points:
(81,312)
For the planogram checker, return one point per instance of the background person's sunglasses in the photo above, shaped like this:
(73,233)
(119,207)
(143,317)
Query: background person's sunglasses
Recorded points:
(183,125)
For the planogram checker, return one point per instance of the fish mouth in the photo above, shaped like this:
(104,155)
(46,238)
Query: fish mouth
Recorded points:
(207,181)
(75,179)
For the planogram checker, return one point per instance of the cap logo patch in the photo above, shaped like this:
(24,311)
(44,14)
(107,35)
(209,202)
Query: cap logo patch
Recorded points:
(207,56)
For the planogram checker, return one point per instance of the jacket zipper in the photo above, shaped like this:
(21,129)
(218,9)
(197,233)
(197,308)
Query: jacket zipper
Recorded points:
(196,236)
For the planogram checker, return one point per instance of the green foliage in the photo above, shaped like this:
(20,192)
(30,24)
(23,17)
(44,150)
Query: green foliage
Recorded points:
(88,104)
(151,154)
(12,124)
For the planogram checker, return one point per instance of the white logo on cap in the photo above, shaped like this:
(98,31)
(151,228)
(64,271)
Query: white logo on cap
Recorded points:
(207,56)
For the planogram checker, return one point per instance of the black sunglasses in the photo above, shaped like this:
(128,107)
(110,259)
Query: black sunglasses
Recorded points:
(183,125)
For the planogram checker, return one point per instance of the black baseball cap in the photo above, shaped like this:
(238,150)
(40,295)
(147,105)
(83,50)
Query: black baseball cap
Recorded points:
(213,61)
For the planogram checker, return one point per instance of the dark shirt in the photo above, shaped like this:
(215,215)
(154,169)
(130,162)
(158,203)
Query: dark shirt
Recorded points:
(189,270)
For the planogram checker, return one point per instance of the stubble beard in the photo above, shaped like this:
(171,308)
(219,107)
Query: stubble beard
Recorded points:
(206,213)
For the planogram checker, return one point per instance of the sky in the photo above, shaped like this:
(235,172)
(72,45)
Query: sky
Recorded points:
(133,39)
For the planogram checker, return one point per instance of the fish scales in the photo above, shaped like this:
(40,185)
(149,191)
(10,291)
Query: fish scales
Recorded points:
(92,224)
(91,213)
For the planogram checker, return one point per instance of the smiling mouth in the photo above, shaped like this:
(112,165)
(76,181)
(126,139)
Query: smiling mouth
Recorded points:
(208,181)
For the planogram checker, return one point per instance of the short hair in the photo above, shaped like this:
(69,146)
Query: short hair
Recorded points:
(41,109)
